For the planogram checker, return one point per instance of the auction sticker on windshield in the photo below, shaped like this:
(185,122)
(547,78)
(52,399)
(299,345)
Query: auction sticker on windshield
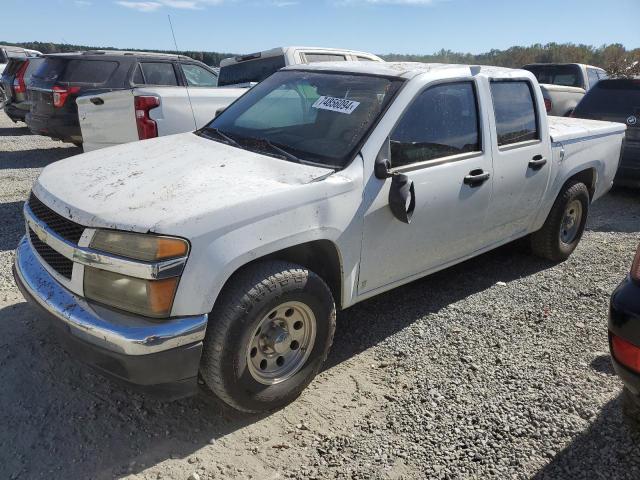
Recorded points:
(334,104)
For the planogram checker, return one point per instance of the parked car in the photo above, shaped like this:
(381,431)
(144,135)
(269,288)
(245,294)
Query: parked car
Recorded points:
(564,84)
(618,100)
(624,337)
(246,70)
(62,78)
(163,98)
(6,54)
(14,81)
(227,251)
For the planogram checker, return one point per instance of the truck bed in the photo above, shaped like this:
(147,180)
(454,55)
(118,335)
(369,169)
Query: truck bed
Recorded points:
(564,129)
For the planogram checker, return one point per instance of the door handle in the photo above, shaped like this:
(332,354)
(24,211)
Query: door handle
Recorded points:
(537,162)
(476,178)
(97,101)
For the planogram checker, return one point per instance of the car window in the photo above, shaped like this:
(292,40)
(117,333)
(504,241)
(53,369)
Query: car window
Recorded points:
(324,57)
(515,112)
(34,64)
(198,76)
(160,73)
(592,74)
(88,71)
(602,75)
(441,121)
(565,75)
(612,99)
(3,56)
(364,59)
(250,70)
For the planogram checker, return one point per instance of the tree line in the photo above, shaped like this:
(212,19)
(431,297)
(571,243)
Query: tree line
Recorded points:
(613,57)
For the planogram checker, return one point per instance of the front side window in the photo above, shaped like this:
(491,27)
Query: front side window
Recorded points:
(198,76)
(159,74)
(311,117)
(324,57)
(515,113)
(442,121)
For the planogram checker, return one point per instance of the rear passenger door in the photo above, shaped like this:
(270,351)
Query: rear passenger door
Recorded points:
(440,143)
(164,80)
(521,146)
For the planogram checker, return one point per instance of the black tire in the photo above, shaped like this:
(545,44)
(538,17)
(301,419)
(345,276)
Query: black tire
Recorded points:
(546,242)
(244,303)
(631,407)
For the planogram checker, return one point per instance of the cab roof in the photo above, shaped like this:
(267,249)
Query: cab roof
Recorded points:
(410,70)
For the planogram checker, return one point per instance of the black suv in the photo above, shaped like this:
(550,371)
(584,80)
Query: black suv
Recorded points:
(15,78)
(63,77)
(618,100)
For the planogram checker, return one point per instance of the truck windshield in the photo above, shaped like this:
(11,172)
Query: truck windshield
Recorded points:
(310,117)
(250,71)
(565,75)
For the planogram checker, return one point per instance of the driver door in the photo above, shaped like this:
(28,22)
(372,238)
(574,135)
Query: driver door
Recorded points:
(438,143)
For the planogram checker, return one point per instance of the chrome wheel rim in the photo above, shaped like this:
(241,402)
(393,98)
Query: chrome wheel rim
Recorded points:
(281,343)
(571,221)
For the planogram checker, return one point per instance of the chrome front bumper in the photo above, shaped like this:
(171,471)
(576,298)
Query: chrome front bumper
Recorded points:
(102,327)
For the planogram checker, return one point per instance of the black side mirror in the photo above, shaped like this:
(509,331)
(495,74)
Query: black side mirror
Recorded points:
(402,197)
(382,165)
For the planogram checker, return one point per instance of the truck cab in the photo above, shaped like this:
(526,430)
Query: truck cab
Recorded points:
(226,252)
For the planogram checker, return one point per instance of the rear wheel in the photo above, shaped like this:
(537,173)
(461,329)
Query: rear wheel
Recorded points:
(268,336)
(563,228)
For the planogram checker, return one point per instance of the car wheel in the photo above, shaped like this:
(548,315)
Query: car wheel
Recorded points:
(268,336)
(563,228)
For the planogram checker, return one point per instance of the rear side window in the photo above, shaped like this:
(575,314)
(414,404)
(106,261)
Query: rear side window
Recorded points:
(88,71)
(3,56)
(159,74)
(364,59)
(199,77)
(442,121)
(611,100)
(324,57)
(515,112)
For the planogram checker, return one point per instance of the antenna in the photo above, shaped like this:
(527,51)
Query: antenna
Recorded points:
(186,85)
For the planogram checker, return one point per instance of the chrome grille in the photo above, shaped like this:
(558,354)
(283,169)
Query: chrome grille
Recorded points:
(64,227)
(58,262)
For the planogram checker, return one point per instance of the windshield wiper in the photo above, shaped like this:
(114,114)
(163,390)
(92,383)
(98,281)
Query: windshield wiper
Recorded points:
(224,136)
(288,155)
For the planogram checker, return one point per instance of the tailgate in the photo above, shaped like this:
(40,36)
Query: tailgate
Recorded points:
(107,119)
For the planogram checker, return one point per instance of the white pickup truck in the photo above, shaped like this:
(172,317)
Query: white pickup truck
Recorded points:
(225,253)
(151,109)
(255,67)
(564,84)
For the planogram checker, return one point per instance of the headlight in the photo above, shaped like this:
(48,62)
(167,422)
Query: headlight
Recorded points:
(139,246)
(151,298)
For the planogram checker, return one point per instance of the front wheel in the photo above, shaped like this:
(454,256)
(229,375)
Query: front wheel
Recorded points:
(563,228)
(268,336)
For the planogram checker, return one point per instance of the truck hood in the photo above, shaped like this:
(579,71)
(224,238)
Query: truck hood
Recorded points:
(167,185)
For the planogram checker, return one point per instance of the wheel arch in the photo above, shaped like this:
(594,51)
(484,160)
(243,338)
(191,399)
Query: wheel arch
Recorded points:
(320,256)
(588,176)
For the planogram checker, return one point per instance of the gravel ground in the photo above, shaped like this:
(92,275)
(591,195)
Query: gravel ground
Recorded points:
(497,368)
